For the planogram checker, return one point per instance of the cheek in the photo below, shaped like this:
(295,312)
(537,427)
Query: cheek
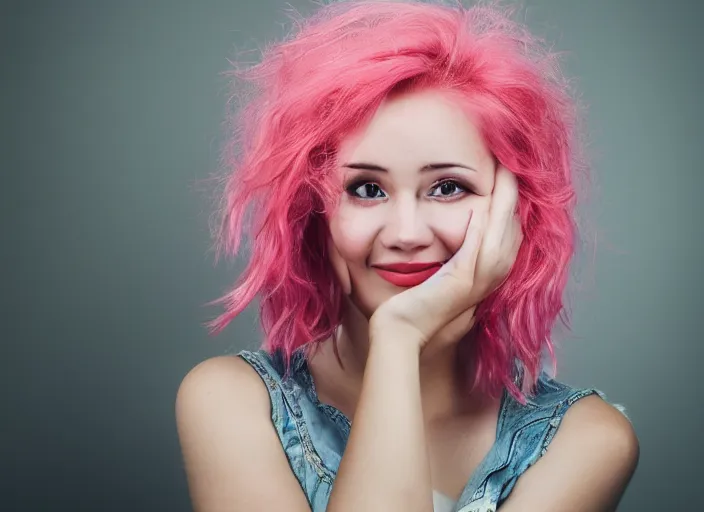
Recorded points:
(353,230)
(450,220)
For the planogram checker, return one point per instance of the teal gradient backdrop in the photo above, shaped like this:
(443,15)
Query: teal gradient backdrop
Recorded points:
(110,122)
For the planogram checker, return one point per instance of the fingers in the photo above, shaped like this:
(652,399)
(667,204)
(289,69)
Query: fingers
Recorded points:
(447,293)
(465,259)
(516,235)
(502,237)
(456,277)
(504,201)
(509,250)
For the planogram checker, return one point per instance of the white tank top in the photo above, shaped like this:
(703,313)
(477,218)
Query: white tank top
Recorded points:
(442,503)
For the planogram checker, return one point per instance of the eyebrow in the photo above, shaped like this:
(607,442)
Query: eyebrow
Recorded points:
(429,167)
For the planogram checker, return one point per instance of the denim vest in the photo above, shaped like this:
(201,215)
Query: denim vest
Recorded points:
(314,435)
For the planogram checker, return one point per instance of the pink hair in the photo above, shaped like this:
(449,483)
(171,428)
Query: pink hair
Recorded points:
(330,76)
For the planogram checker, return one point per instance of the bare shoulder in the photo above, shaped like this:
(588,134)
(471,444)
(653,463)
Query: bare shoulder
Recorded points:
(596,428)
(231,451)
(217,382)
(595,420)
(588,465)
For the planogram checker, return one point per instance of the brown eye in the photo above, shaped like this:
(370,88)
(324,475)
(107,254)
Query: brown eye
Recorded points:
(366,190)
(447,188)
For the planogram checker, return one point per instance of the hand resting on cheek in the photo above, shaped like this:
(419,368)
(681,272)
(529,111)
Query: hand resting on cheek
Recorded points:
(443,306)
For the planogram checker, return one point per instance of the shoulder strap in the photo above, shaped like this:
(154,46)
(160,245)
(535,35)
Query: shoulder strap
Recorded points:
(271,376)
(523,435)
(291,411)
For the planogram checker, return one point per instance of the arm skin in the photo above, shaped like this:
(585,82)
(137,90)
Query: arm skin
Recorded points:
(385,466)
(233,456)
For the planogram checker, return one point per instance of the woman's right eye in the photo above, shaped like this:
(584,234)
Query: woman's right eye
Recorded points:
(367,190)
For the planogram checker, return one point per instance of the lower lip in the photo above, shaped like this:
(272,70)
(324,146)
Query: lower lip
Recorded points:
(407,280)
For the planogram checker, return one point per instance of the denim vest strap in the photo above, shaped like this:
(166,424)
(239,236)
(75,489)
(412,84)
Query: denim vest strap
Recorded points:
(313,435)
(523,435)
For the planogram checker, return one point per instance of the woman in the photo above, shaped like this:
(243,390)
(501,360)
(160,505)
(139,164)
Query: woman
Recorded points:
(408,173)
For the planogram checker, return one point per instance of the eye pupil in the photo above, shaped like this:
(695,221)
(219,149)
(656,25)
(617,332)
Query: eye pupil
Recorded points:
(447,188)
(371,189)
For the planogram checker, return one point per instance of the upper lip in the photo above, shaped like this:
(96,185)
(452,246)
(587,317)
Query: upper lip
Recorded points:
(408,268)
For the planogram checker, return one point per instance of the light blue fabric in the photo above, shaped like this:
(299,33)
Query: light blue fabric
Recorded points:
(314,435)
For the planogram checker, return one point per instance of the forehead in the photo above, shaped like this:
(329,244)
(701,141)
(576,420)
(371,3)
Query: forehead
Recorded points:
(416,128)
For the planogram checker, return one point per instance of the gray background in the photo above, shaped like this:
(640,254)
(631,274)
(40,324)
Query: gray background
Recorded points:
(111,117)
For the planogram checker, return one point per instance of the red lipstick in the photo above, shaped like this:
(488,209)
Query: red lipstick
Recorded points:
(407,274)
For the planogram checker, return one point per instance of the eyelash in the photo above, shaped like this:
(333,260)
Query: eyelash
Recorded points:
(351,189)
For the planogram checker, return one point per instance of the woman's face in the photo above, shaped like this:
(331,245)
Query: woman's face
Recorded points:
(410,178)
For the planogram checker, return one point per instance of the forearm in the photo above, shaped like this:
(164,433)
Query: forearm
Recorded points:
(385,464)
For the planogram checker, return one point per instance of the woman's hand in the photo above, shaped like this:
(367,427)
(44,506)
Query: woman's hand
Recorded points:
(443,306)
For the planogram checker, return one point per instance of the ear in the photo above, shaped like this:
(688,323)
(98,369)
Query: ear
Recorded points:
(340,267)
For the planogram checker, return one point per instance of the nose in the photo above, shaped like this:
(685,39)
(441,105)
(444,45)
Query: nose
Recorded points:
(405,227)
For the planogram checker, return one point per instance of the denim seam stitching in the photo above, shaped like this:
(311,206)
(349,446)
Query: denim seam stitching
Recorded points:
(309,453)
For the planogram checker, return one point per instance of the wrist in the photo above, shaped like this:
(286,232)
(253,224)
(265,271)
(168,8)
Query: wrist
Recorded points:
(395,337)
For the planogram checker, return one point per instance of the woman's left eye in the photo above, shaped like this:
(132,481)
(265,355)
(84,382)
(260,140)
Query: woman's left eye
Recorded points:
(447,189)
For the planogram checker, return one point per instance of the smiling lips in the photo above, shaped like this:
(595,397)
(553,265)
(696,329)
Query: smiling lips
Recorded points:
(407,274)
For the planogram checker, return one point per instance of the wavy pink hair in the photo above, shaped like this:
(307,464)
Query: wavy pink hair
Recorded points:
(330,76)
